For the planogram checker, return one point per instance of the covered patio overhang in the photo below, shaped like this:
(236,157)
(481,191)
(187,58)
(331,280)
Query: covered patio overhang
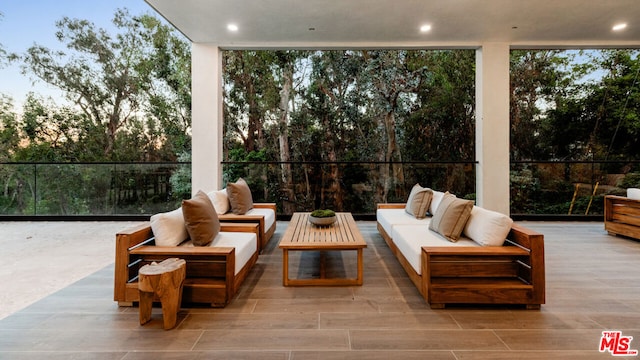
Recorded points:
(491,27)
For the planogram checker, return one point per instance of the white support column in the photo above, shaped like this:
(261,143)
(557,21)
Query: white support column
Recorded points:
(492,127)
(207,121)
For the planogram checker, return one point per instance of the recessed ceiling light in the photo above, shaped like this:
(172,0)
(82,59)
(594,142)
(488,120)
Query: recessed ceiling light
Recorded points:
(619,27)
(232,27)
(425,28)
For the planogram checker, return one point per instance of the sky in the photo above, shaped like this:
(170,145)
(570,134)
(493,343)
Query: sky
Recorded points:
(24,23)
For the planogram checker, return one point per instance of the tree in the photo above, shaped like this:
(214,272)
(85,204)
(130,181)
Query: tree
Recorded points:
(285,70)
(615,104)
(250,92)
(9,129)
(537,77)
(392,77)
(100,73)
(168,68)
(440,124)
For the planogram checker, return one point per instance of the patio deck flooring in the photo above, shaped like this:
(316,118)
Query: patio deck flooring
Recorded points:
(593,284)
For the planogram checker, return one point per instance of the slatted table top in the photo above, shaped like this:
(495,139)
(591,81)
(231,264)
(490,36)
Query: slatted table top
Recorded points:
(342,235)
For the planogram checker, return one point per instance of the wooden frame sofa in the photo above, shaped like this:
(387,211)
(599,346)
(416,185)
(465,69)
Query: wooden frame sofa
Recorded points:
(212,277)
(457,273)
(622,216)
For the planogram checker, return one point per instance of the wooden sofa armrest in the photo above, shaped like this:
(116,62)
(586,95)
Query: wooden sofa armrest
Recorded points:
(182,251)
(472,251)
(392,206)
(623,209)
(623,199)
(622,216)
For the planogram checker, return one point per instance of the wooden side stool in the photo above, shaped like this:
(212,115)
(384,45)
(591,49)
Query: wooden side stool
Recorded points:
(165,280)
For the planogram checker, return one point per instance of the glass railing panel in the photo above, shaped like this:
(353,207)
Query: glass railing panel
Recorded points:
(98,189)
(18,189)
(103,189)
(355,187)
(568,188)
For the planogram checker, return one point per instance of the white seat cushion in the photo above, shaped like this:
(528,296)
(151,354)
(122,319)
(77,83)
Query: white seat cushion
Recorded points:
(409,239)
(269,216)
(391,217)
(245,243)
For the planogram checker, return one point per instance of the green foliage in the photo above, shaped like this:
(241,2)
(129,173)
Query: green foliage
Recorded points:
(524,187)
(252,173)
(322,213)
(181,179)
(630,180)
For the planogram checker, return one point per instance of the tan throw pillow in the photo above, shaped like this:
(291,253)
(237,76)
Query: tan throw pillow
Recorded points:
(418,201)
(451,217)
(200,219)
(239,197)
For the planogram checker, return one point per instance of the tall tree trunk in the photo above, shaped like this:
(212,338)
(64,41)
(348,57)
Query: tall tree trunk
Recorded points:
(393,154)
(289,206)
(333,187)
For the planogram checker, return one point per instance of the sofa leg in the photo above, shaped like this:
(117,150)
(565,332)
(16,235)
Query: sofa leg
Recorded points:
(437,306)
(533,306)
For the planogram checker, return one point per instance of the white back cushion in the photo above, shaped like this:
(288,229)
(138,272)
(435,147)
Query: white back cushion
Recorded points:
(169,228)
(486,227)
(435,201)
(220,200)
(633,193)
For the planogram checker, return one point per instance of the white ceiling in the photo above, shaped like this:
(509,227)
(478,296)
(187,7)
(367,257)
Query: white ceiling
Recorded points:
(395,23)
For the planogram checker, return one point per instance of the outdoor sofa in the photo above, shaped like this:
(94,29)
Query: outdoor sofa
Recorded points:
(622,214)
(492,261)
(219,254)
(214,273)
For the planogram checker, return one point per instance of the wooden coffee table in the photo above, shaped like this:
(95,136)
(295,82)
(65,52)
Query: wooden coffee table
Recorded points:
(301,235)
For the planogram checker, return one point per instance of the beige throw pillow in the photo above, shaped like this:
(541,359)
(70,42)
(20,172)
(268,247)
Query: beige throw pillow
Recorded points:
(418,201)
(451,217)
(168,228)
(487,228)
(435,201)
(200,219)
(220,200)
(239,197)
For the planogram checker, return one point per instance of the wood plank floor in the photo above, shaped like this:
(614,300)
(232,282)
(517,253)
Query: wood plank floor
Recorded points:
(593,284)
